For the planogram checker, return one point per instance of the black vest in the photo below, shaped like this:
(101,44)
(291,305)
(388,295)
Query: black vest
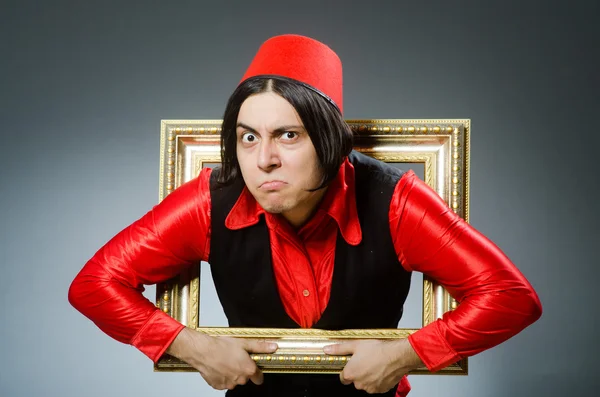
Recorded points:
(369,286)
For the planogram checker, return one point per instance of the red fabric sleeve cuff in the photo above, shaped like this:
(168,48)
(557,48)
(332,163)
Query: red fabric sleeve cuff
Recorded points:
(156,335)
(432,347)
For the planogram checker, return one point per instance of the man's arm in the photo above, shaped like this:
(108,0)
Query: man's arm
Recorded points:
(108,290)
(496,301)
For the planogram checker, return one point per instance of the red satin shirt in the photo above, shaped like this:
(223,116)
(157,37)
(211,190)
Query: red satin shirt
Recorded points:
(496,301)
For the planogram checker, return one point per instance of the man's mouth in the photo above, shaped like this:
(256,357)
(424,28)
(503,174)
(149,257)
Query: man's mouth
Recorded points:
(272,185)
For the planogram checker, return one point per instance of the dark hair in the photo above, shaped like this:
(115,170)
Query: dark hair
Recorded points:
(329,133)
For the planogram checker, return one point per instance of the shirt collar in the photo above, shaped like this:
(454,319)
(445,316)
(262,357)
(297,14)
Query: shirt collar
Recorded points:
(339,203)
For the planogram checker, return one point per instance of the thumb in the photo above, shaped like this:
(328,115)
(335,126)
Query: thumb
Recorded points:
(340,349)
(259,346)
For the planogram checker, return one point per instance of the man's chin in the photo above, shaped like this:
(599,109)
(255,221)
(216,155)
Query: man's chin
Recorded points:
(274,208)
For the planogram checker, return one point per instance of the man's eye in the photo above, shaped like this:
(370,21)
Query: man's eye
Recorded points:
(248,137)
(289,135)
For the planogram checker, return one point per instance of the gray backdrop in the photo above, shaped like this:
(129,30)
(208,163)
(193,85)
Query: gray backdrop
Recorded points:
(84,85)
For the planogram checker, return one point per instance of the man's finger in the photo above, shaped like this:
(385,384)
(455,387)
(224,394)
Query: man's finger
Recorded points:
(343,379)
(259,346)
(257,378)
(340,349)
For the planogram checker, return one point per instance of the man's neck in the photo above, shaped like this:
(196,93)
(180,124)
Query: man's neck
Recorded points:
(301,214)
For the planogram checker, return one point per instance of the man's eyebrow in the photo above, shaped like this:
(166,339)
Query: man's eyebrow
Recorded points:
(244,126)
(281,129)
(285,128)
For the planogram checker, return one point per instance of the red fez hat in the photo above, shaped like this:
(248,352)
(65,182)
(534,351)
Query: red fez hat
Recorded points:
(300,58)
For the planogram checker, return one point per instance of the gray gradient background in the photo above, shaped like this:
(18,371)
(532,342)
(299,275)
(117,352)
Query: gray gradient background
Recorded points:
(83,87)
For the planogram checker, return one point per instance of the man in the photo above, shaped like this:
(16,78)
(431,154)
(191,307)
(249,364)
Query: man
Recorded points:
(301,231)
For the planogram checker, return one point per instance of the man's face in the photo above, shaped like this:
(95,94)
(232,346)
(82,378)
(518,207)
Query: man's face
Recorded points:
(277,158)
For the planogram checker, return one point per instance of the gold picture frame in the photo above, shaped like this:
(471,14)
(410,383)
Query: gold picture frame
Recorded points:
(443,148)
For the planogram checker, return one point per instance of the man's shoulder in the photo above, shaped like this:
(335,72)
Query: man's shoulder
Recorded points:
(371,170)
(235,184)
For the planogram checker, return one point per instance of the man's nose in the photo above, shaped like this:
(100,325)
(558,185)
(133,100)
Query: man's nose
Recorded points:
(268,155)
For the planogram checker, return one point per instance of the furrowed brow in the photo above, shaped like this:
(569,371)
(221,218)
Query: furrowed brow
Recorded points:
(278,130)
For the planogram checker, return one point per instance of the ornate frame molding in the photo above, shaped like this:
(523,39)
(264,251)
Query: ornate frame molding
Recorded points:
(441,145)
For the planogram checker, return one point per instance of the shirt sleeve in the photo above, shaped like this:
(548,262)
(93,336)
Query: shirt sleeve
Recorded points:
(495,300)
(108,290)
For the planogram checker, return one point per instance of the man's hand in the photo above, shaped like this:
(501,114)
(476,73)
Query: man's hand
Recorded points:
(223,362)
(375,366)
